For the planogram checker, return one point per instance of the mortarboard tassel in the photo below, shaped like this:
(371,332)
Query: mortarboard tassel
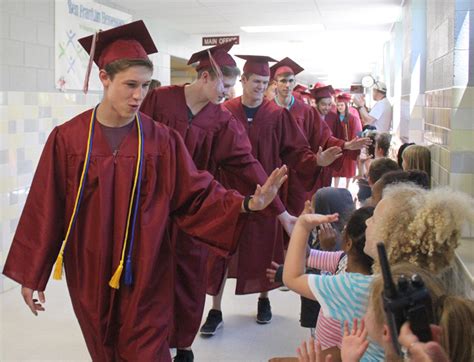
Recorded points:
(215,66)
(85,87)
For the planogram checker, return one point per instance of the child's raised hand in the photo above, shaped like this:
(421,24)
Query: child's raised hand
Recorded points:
(354,343)
(327,237)
(311,354)
(310,221)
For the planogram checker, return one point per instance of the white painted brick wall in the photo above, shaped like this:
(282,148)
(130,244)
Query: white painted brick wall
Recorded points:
(39,10)
(22,79)
(23,29)
(37,56)
(13,52)
(46,34)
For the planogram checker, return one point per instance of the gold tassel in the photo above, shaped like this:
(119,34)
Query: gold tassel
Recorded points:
(115,280)
(58,267)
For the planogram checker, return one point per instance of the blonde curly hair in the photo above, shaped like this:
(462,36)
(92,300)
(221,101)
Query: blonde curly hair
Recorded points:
(423,227)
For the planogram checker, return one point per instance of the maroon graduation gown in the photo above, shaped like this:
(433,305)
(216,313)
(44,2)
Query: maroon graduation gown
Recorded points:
(347,131)
(131,323)
(216,141)
(276,140)
(318,135)
(325,180)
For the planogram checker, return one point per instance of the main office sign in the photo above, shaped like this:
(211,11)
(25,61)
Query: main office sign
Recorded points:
(218,40)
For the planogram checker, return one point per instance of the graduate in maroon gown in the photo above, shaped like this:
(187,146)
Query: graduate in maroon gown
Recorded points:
(217,143)
(276,140)
(347,129)
(107,185)
(323,96)
(316,131)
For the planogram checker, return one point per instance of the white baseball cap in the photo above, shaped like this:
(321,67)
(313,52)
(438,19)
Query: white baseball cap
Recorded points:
(380,86)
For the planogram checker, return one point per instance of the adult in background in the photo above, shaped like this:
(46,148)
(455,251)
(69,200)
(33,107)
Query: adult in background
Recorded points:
(380,116)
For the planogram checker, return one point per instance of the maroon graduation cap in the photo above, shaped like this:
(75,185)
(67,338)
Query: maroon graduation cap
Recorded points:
(219,53)
(322,92)
(257,64)
(343,97)
(285,66)
(129,41)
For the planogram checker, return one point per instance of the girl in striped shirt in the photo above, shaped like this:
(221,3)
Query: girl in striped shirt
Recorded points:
(351,259)
(342,296)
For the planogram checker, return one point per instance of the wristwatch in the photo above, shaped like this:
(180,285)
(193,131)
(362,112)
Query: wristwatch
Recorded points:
(246,203)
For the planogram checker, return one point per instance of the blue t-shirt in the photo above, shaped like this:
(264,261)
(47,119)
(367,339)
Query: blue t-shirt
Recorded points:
(344,297)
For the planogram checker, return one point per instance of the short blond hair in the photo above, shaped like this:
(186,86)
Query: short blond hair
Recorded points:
(423,227)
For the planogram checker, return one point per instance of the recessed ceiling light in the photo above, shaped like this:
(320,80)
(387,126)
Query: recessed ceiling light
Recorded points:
(283,28)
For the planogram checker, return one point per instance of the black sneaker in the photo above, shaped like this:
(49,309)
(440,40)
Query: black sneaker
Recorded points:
(264,314)
(184,355)
(213,322)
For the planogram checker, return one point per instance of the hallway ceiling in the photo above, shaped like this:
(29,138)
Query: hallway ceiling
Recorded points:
(347,47)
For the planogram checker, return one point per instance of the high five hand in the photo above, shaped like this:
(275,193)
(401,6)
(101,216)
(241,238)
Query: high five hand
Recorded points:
(265,194)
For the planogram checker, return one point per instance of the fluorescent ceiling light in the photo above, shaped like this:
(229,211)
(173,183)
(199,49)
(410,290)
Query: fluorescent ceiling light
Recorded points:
(282,28)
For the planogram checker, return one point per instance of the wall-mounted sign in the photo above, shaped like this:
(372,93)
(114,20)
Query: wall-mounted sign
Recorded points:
(218,40)
(73,20)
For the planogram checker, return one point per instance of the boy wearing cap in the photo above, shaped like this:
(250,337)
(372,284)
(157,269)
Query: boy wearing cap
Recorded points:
(219,144)
(276,140)
(380,116)
(107,184)
(317,132)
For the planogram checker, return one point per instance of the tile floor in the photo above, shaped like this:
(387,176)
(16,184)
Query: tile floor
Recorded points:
(55,335)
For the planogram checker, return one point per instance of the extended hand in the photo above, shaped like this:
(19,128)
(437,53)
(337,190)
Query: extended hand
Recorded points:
(354,343)
(327,237)
(328,156)
(311,354)
(27,294)
(288,221)
(265,194)
(357,143)
(308,208)
(271,272)
(422,352)
(359,100)
(309,221)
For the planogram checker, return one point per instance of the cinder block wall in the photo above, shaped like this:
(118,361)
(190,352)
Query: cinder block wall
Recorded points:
(449,110)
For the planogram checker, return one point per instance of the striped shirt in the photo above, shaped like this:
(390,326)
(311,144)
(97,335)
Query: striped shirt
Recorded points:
(344,297)
(328,331)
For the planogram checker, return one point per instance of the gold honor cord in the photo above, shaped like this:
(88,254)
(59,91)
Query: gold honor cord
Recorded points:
(58,268)
(115,280)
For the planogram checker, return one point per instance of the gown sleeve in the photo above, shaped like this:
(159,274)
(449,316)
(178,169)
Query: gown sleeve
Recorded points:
(40,230)
(296,153)
(200,205)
